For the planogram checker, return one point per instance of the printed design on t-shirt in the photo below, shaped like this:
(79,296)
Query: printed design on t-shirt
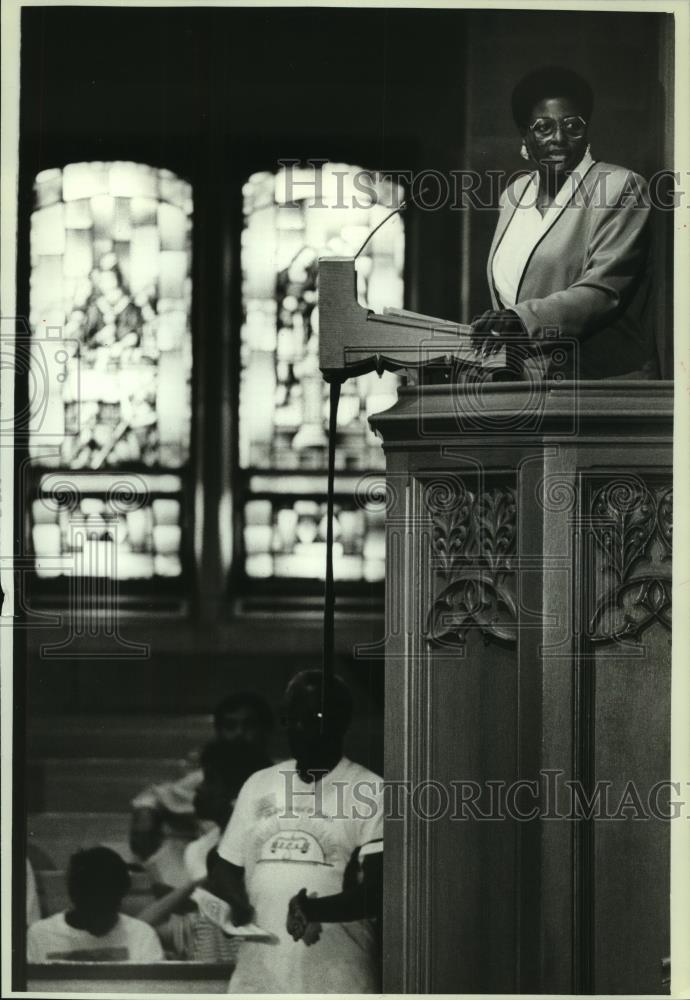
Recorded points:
(266,806)
(292,845)
(300,839)
(112,953)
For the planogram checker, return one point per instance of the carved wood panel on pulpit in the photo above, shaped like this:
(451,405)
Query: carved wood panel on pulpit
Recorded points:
(466,552)
(624,739)
(474,534)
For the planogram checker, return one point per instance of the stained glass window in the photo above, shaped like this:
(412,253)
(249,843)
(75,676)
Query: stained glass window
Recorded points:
(291,218)
(127,528)
(110,304)
(286,538)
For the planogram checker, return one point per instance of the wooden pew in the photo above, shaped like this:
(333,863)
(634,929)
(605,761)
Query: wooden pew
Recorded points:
(134,736)
(94,784)
(103,978)
(57,835)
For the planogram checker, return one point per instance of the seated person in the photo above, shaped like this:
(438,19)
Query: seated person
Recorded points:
(94,930)
(186,933)
(242,719)
(281,862)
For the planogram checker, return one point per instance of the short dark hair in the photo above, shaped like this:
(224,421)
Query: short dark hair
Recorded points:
(550,81)
(245,699)
(233,764)
(97,879)
(339,706)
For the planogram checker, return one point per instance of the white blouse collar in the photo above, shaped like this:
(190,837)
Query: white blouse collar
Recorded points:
(570,186)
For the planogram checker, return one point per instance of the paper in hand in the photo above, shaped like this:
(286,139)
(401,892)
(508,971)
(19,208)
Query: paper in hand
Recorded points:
(218,912)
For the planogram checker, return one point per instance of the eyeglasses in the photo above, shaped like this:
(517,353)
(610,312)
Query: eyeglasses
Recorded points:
(574,127)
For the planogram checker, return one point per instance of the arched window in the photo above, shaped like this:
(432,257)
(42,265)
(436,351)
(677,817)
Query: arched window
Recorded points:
(110,306)
(291,218)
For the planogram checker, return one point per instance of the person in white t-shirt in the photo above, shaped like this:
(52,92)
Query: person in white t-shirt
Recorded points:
(184,930)
(282,860)
(94,930)
(163,814)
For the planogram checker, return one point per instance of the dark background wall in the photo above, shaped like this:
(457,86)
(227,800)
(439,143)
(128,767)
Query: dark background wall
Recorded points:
(216,94)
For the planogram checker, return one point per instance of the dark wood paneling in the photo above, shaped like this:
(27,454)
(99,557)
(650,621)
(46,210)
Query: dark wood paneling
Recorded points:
(559,905)
(631,858)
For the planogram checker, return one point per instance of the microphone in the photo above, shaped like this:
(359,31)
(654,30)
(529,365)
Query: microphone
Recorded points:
(396,211)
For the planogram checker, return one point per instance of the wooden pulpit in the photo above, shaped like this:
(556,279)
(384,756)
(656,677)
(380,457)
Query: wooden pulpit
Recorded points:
(528,667)
(528,645)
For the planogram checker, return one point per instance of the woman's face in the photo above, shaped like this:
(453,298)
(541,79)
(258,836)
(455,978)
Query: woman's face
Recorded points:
(559,151)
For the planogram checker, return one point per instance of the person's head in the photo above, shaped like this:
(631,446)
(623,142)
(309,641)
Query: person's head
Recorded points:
(552,108)
(243,718)
(97,882)
(226,767)
(316,729)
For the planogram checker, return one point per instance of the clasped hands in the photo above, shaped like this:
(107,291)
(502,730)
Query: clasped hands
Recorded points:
(298,924)
(494,329)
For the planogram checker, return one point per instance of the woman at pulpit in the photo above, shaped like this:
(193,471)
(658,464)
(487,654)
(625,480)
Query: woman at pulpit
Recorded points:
(569,261)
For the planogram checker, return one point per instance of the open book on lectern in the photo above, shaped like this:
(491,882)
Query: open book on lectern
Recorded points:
(354,340)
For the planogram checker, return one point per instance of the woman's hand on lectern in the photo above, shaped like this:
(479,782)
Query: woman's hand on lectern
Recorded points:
(493,329)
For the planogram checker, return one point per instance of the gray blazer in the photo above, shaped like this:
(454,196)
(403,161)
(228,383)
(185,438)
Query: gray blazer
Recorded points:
(588,277)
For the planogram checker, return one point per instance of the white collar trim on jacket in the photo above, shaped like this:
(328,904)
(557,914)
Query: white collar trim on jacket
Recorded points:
(526,229)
